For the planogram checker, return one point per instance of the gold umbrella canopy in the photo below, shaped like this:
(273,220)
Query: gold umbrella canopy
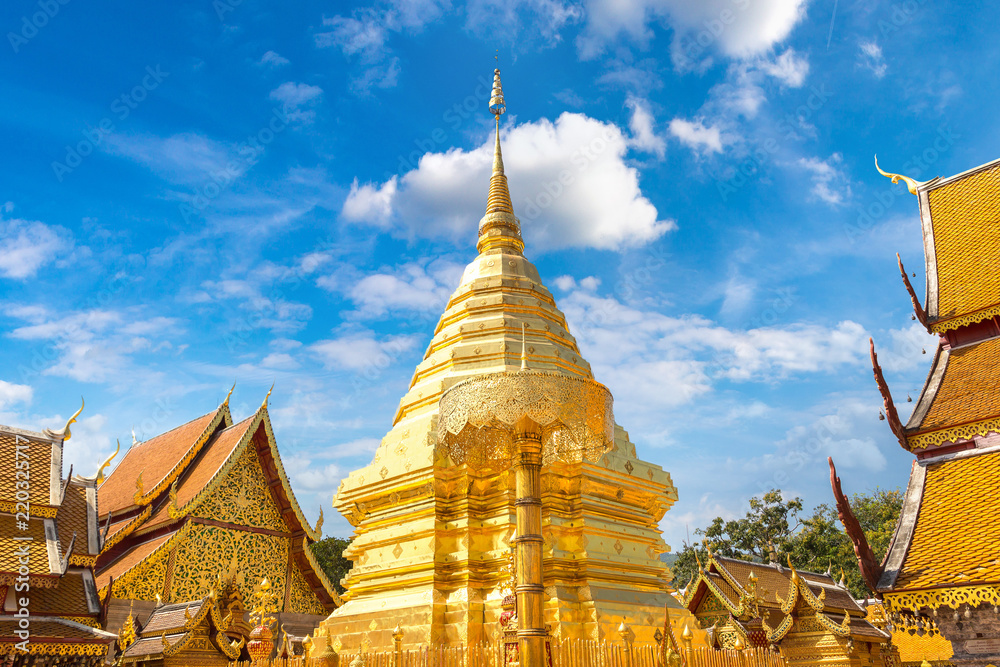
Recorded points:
(477,418)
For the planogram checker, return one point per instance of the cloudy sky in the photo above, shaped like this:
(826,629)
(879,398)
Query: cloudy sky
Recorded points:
(201,192)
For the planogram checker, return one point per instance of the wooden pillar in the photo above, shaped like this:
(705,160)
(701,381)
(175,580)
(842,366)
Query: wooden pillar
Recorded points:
(529,588)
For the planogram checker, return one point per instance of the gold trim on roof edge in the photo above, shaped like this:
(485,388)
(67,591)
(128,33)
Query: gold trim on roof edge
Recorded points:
(129,528)
(166,546)
(953,597)
(954,433)
(943,325)
(37,511)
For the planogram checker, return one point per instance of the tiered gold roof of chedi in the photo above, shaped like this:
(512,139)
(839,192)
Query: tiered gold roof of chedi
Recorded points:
(431,537)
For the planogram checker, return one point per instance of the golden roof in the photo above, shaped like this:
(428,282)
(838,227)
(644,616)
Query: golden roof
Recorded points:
(961,398)
(955,538)
(962,239)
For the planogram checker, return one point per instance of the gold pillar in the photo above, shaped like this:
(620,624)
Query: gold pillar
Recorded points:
(529,589)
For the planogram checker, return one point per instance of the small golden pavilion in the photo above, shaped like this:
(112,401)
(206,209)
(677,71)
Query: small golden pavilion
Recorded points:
(809,617)
(208,499)
(432,534)
(942,570)
(49,542)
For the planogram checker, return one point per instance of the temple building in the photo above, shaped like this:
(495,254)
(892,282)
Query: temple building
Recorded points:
(202,506)
(49,542)
(808,617)
(432,534)
(942,571)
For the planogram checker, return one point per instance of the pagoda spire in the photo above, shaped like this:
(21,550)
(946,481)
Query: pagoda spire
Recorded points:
(499,229)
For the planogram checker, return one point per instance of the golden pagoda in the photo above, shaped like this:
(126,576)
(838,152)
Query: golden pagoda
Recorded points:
(205,500)
(432,533)
(810,618)
(942,570)
(49,541)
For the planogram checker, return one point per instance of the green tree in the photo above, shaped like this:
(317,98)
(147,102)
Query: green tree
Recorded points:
(329,554)
(816,543)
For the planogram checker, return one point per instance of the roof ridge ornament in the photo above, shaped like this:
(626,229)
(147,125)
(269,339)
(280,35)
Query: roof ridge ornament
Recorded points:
(268,396)
(226,402)
(911,184)
(100,471)
(64,433)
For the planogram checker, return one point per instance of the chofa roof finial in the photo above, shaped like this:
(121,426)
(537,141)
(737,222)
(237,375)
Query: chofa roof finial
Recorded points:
(911,184)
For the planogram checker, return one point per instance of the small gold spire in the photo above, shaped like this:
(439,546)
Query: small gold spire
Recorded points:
(524,347)
(499,228)
(100,471)
(63,433)
(226,402)
(319,523)
(139,490)
(264,404)
(911,184)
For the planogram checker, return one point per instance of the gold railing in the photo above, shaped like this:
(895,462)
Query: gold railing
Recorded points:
(568,653)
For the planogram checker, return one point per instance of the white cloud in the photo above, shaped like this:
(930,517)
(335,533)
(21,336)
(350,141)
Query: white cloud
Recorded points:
(526,21)
(11,393)
(737,29)
(642,125)
(93,345)
(28,245)
(871,57)
(362,352)
(186,158)
(790,68)
(829,183)
(294,96)
(365,34)
(273,59)
(696,136)
(569,182)
(411,287)
(370,203)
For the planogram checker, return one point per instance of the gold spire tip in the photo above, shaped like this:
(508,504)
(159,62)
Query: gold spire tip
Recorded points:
(497,105)
(264,404)
(107,462)
(226,402)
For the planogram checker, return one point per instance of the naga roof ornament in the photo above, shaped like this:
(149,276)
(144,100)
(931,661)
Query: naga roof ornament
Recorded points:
(63,433)
(911,184)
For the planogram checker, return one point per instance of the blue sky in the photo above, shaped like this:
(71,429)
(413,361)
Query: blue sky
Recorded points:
(207,191)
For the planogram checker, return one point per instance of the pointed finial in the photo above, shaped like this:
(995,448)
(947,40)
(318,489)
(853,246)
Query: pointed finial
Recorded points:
(911,184)
(264,404)
(135,440)
(226,402)
(499,228)
(139,489)
(100,471)
(63,433)
(524,346)
(497,106)
(319,522)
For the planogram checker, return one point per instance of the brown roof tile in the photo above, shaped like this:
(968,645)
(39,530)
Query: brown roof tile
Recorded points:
(155,459)
(69,598)
(170,617)
(213,457)
(130,558)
